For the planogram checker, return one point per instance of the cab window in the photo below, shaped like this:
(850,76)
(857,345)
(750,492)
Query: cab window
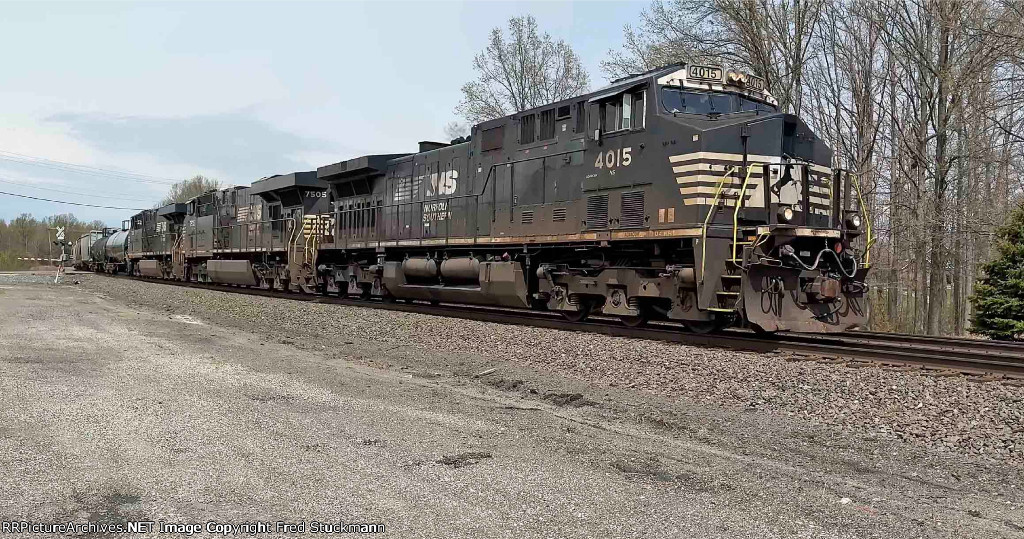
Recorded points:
(623,112)
(675,100)
(747,105)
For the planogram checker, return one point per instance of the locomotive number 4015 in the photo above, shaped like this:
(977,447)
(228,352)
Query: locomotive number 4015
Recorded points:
(614,158)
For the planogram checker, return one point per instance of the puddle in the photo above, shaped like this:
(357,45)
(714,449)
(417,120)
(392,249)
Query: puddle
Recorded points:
(186,319)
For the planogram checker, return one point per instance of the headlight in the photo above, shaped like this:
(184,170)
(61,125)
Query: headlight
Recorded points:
(785,214)
(853,221)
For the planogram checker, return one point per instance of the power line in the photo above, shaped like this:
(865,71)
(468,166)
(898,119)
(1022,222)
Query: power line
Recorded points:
(30,186)
(71,203)
(83,169)
(87,167)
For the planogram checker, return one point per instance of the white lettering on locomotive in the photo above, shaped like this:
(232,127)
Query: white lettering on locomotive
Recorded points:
(614,158)
(436,211)
(443,184)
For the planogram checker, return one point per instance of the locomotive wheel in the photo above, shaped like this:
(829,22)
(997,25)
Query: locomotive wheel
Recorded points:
(702,327)
(635,321)
(580,315)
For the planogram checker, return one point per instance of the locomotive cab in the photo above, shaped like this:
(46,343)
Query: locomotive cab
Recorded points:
(760,185)
(291,199)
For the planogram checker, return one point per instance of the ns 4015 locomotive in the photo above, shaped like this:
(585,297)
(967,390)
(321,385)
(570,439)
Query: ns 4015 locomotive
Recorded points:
(678,194)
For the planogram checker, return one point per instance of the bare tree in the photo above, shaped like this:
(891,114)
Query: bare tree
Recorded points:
(190,188)
(520,71)
(921,99)
(772,38)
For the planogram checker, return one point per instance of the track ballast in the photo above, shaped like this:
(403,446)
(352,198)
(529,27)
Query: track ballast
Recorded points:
(969,356)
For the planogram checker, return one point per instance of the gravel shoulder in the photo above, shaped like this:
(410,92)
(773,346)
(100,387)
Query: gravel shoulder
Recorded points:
(172,403)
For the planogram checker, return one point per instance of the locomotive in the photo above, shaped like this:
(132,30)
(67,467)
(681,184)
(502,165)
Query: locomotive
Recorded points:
(678,194)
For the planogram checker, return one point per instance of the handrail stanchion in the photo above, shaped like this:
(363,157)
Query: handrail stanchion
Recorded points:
(707,221)
(867,222)
(736,212)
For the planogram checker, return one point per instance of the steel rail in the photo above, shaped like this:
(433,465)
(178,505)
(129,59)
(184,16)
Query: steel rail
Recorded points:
(941,340)
(944,353)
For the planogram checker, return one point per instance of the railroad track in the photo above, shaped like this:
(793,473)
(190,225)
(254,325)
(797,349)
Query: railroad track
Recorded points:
(970,356)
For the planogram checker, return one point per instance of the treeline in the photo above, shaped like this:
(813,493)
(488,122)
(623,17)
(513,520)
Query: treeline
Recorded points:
(921,98)
(28,237)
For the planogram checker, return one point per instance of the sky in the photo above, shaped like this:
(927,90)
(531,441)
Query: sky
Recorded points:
(121,99)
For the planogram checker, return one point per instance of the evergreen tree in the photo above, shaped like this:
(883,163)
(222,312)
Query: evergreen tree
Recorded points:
(999,297)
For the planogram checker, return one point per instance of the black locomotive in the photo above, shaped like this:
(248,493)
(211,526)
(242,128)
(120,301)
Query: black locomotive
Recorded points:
(679,194)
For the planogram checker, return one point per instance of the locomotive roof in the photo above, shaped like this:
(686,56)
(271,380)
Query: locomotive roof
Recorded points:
(357,167)
(640,77)
(285,181)
(171,209)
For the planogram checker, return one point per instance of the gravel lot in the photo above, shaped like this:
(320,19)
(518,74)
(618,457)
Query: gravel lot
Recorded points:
(946,413)
(573,435)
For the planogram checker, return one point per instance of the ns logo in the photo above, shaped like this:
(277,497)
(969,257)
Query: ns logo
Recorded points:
(444,183)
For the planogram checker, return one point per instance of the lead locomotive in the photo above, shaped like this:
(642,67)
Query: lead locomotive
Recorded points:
(678,194)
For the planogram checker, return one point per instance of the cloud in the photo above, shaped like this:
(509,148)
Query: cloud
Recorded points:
(237,144)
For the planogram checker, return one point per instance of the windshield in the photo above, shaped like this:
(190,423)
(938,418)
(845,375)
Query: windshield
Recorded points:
(750,104)
(677,100)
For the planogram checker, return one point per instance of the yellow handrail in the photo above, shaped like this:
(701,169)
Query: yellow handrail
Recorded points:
(736,212)
(707,221)
(867,222)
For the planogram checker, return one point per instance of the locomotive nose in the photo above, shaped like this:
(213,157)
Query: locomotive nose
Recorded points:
(797,139)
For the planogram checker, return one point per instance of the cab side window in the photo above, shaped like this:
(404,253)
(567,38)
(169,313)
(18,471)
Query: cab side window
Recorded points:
(610,116)
(639,109)
(623,112)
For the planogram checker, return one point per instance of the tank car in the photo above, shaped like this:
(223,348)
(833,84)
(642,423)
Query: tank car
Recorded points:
(108,252)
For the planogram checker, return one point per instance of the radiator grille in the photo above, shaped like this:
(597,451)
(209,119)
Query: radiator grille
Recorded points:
(558,215)
(526,217)
(632,209)
(597,211)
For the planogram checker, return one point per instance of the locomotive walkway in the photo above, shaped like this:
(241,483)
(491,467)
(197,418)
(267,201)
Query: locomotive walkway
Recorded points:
(944,354)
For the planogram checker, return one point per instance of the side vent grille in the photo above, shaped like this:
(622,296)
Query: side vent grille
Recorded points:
(597,211)
(526,217)
(558,215)
(632,209)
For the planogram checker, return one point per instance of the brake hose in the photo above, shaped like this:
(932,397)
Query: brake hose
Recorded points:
(818,261)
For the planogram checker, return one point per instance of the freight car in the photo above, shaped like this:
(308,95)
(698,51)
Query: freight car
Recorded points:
(107,254)
(680,194)
(81,250)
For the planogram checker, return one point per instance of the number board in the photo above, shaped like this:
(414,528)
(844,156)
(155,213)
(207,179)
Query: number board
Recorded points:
(755,83)
(709,73)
